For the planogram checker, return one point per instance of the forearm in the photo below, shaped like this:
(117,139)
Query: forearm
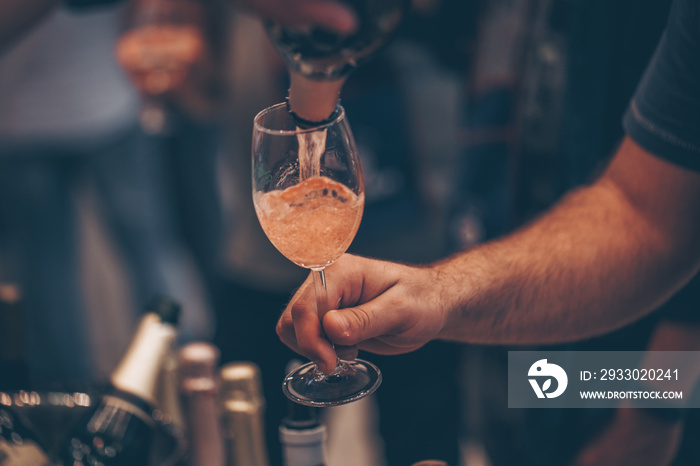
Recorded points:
(16,16)
(599,260)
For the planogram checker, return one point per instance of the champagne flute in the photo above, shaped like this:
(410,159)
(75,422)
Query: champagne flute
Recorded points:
(158,49)
(308,193)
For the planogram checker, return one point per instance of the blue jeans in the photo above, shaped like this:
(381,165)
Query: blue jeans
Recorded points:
(39,187)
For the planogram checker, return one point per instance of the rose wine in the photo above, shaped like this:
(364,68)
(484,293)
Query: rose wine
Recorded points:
(311,223)
(158,56)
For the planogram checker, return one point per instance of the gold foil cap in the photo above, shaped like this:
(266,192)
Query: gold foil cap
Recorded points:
(198,362)
(241,385)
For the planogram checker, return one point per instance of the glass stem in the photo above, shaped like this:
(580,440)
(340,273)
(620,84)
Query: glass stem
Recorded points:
(322,298)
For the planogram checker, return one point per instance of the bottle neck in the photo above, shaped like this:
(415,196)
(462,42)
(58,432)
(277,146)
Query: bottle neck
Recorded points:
(313,100)
(139,369)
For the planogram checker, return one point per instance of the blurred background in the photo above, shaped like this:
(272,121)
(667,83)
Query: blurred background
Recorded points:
(115,186)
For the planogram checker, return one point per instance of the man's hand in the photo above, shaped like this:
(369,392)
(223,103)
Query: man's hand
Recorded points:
(303,13)
(377,306)
(633,437)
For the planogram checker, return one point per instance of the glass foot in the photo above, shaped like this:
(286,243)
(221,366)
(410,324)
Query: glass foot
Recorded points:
(349,381)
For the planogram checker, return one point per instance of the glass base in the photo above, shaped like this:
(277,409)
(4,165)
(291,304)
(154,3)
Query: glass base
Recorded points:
(349,381)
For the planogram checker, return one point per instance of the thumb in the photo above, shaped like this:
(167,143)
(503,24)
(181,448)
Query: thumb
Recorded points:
(353,325)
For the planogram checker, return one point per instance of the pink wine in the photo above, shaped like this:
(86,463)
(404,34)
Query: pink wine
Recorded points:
(311,223)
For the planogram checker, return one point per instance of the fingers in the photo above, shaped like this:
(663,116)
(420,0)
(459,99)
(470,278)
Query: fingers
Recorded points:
(300,329)
(301,13)
(347,353)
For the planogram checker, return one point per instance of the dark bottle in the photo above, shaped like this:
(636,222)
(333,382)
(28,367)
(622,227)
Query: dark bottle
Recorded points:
(200,394)
(319,59)
(321,54)
(18,444)
(302,435)
(120,430)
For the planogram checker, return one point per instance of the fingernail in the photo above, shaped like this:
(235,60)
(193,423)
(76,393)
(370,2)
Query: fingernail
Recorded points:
(342,323)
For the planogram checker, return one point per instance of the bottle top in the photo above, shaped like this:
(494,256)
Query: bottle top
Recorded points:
(168,309)
(430,463)
(241,383)
(198,362)
(137,372)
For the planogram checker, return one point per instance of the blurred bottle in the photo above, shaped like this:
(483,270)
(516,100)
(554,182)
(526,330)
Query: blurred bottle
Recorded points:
(199,387)
(18,444)
(120,430)
(243,406)
(320,59)
(302,435)
(168,393)
(430,463)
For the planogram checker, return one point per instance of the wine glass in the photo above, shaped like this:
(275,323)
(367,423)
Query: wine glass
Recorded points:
(309,196)
(161,44)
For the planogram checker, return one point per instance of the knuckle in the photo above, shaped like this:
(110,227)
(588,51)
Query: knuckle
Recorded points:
(362,319)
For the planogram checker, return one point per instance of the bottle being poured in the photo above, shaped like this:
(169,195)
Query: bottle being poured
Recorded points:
(320,57)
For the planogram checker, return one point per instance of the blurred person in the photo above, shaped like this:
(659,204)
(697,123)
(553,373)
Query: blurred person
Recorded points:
(69,116)
(175,53)
(550,80)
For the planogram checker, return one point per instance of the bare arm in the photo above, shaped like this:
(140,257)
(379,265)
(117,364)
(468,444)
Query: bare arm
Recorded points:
(16,16)
(606,255)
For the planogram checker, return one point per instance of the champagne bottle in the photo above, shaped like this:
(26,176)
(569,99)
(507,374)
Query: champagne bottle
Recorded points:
(319,59)
(243,407)
(18,444)
(199,389)
(302,435)
(120,430)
